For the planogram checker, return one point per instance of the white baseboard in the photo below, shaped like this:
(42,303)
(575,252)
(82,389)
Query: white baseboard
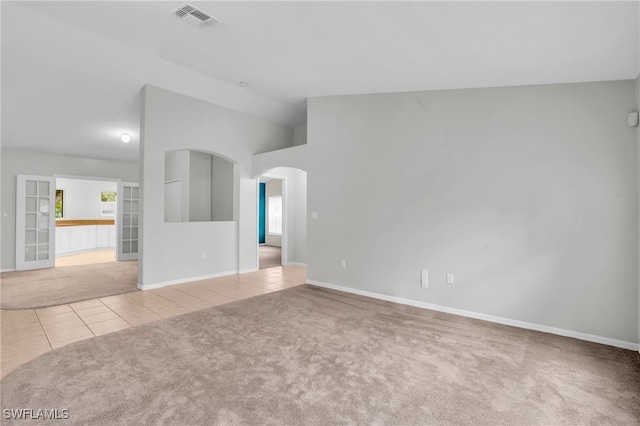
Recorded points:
(296,264)
(248,270)
(8,270)
(506,321)
(184,280)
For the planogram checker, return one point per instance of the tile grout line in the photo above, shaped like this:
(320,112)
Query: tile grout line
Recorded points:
(46,336)
(182,306)
(146,307)
(85,324)
(110,310)
(127,322)
(118,315)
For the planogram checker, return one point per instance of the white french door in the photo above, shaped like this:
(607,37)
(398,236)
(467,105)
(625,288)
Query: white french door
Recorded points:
(35,222)
(127,220)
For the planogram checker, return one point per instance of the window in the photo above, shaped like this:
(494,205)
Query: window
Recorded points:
(59,203)
(108,203)
(275,215)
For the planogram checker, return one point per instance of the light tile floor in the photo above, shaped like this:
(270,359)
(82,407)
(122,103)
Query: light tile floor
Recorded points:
(88,258)
(29,333)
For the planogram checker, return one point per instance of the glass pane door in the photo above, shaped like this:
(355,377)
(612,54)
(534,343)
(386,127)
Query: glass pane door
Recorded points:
(127,198)
(35,222)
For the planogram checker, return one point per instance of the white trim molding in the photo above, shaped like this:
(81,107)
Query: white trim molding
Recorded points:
(8,270)
(296,264)
(184,280)
(505,321)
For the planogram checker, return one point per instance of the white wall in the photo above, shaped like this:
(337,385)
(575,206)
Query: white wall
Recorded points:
(529,195)
(199,186)
(16,162)
(300,217)
(82,197)
(300,134)
(221,189)
(273,188)
(177,164)
(173,251)
(294,157)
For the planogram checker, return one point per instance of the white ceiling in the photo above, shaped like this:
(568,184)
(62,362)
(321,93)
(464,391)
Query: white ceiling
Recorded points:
(72,71)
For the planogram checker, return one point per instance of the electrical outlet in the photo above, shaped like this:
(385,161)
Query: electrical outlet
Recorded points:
(449,278)
(425,279)
(343,263)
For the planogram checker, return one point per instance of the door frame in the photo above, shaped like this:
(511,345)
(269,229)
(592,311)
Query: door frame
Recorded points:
(284,252)
(104,179)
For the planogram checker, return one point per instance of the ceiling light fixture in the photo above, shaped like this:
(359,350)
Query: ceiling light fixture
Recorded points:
(125,138)
(243,84)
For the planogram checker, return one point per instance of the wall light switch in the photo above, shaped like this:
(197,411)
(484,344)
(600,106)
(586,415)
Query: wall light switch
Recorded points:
(314,215)
(343,263)
(449,278)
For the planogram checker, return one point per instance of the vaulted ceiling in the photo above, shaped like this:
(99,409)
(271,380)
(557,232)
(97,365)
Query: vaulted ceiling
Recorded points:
(72,71)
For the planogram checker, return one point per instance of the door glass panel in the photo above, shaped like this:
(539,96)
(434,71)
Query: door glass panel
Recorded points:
(126,247)
(44,188)
(134,246)
(32,187)
(126,233)
(30,253)
(43,221)
(127,192)
(30,220)
(135,193)
(134,233)
(126,206)
(44,204)
(30,236)
(43,236)
(134,219)
(31,204)
(43,252)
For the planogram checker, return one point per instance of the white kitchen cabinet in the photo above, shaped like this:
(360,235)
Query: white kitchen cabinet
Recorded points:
(75,239)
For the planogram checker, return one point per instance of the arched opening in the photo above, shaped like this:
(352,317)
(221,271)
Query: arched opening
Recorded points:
(198,187)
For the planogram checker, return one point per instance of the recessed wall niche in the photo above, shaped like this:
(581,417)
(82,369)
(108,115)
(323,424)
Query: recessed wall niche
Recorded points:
(198,187)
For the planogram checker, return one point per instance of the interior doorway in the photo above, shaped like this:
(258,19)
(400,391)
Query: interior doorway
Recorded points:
(270,222)
(282,218)
(85,213)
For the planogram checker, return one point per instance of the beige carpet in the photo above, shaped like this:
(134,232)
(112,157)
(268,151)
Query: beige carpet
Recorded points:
(57,286)
(309,356)
(270,256)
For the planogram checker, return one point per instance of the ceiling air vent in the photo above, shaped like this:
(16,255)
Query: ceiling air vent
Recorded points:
(194,16)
